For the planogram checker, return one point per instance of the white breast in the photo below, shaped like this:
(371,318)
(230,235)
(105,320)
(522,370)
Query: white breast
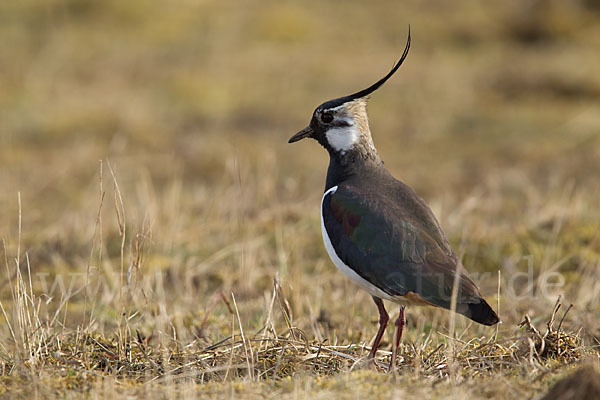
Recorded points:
(346,270)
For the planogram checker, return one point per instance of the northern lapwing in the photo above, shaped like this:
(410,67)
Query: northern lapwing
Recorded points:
(376,229)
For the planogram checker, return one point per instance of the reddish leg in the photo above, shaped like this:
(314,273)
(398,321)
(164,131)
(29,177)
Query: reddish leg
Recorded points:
(399,328)
(383,320)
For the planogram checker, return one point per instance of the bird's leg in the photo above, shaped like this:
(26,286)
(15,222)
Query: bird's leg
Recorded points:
(383,320)
(399,327)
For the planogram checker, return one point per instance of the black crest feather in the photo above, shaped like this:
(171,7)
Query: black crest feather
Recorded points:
(365,92)
(376,85)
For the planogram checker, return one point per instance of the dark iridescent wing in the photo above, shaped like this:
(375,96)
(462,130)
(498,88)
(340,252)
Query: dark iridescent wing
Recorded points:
(400,254)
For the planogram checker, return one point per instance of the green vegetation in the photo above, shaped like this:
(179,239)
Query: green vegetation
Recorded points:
(189,263)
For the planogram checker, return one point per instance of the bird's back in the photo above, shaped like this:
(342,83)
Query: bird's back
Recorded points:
(384,231)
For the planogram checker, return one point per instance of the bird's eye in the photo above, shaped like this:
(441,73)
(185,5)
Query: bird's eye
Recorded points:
(327,118)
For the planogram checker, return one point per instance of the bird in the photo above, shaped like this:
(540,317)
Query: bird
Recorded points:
(377,230)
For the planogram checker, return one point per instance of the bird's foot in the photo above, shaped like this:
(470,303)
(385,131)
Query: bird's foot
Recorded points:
(376,364)
(394,361)
(371,362)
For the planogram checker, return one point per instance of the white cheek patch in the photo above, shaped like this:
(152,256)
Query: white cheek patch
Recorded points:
(343,139)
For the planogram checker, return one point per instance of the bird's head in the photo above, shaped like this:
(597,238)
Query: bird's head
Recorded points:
(341,125)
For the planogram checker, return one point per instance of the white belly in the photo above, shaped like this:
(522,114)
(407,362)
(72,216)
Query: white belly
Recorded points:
(346,270)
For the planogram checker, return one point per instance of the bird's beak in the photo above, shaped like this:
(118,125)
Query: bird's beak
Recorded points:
(304,133)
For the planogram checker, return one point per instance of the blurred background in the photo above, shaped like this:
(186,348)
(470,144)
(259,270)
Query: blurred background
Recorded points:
(494,119)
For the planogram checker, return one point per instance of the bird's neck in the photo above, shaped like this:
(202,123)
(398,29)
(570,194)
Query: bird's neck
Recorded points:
(363,158)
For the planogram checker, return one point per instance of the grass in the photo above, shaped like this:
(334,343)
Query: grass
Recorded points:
(189,263)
